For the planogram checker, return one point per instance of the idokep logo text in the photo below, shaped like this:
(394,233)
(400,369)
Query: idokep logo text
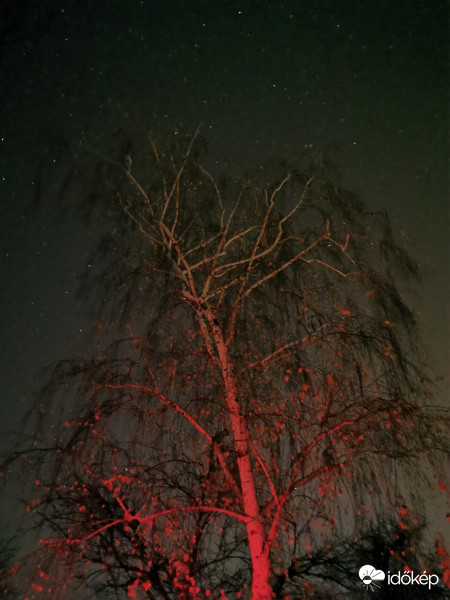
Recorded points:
(370,577)
(409,578)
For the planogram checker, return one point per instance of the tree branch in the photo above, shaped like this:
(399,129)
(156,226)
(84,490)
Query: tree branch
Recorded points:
(220,456)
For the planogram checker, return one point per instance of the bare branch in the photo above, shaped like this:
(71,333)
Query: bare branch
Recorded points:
(297,469)
(190,419)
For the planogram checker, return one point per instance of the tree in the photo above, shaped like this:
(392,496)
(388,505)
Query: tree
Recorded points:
(265,399)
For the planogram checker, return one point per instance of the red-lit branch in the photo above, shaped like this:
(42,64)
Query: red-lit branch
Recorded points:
(265,471)
(216,449)
(150,518)
(306,451)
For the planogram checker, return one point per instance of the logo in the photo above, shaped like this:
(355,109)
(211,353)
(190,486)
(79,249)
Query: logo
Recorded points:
(369,575)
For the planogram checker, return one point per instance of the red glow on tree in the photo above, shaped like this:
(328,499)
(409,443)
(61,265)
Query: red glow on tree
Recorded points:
(259,389)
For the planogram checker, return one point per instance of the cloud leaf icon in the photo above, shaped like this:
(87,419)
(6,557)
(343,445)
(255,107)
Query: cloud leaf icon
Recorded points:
(369,572)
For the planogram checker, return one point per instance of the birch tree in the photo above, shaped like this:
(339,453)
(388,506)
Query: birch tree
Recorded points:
(265,398)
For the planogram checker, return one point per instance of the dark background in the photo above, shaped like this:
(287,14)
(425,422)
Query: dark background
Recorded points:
(363,82)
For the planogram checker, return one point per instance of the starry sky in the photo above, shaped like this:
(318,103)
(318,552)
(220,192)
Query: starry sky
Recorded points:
(365,83)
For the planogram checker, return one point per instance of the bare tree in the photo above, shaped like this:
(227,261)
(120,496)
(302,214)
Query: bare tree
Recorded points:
(266,397)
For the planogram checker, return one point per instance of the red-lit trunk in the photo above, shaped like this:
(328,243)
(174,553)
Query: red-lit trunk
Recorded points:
(258,546)
(261,566)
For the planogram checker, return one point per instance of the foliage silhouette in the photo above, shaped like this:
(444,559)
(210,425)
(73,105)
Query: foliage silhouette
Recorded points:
(266,398)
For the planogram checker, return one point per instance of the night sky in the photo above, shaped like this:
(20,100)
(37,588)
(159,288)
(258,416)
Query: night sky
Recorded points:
(364,82)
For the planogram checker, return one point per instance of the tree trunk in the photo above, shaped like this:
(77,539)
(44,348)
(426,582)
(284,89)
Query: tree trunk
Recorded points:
(261,566)
(258,546)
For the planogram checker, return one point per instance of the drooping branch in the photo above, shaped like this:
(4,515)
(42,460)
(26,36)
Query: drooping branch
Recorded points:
(305,452)
(154,392)
(289,348)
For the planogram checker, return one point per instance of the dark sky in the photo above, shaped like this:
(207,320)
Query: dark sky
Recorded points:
(366,82)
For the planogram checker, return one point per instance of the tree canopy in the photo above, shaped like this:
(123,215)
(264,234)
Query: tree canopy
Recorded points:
(265,399)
